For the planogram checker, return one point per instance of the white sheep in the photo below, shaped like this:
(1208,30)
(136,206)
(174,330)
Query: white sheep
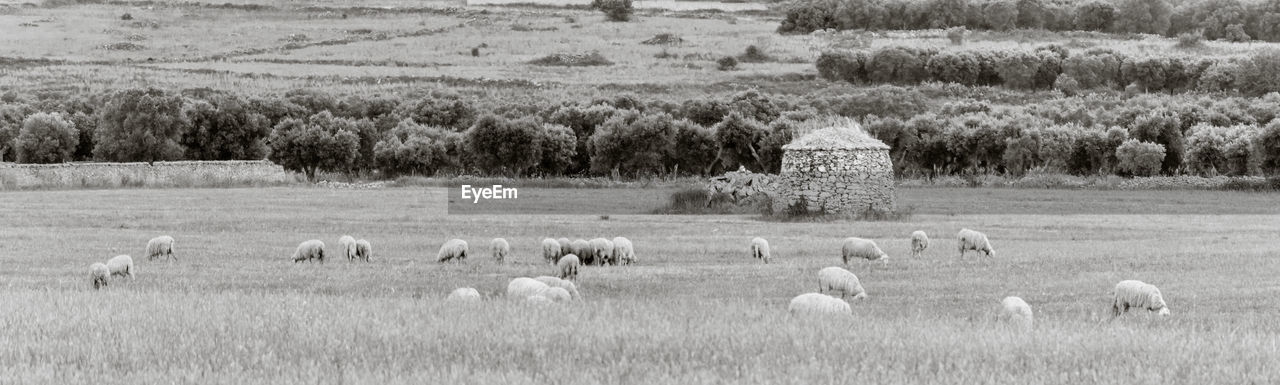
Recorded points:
(454,249)
(1137,294)
(308,250)
(861,248)
(838,280)
(973,240)
(760,249)
(500,248)
(568,266)
(818,304)
(919,242)
(551,250)
(465,294)
(556,294)
(582,249)
(623,251)
(121,265)
(158,246)
(364,250)
(560,283)
(348,245)
(98,274)
(525,287)
(602,252)
(566,247)
(1016,312)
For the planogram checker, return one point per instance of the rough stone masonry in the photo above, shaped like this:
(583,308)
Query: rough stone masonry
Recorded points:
(837,170)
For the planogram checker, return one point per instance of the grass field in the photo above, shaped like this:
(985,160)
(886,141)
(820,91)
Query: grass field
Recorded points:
(695,310)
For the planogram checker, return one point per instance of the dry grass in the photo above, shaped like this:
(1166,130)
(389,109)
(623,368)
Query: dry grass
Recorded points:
(695,310)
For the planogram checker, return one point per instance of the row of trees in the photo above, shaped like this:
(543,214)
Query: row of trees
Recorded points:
(1234,20)
(426,134)
(1053,66)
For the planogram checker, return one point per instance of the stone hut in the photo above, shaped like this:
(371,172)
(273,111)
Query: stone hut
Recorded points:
(838,168)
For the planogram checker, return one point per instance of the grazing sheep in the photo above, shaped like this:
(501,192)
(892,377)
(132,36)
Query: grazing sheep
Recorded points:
(623,252)
(525,287)
(98,274)
(551,250)
(161,245)
(1137,294)
(364,250)
(560,283)
(602,250)
(121,265)
(582,249)
(973,240)
(839,280)
(464,294)
(569,267)
(861,248)
(500,248)
(818,304)
(566,247)
(308,250)
(760,249)
(919,242)
(1016,312)
(556,294)
(348,246)
(454,249)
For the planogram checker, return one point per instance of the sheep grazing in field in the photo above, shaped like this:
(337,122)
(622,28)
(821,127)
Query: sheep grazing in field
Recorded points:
(602,251)
(525,287)
(861,248)
(556,294)
(1015,312)
(973,240)
(309,250)
(551,250)
(1137,294)
(566,247)
(158,246)
(560,283)
(465,294)
(454,249)
(568,266)
(348,246)
(760,249)
(500,248)
(98,274)
(582,249)
(818,304)
(364,250)
(121,265)
(919,243)
(838,280)
(623,252)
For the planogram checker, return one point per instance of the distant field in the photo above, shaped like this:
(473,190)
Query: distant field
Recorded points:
(695,310)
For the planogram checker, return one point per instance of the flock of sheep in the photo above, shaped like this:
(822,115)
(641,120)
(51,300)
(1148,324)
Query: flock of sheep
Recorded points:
(835,284)
(1013,310)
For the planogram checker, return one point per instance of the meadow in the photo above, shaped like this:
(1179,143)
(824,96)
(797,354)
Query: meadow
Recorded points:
(695,310)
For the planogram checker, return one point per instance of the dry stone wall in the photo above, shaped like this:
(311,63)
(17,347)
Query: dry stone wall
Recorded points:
(836,181)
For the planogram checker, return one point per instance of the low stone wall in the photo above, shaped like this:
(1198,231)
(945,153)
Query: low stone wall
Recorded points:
(161,174)
(837,181)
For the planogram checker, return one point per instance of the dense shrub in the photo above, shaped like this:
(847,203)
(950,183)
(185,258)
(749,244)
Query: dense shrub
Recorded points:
(633,144)
(804,16)
(496,145)
(12,116)
(314,101)
(615,10)
(558,147)
(414,149)
(727,63)
(1139,158)
(705,112)
(1162,127)
(1143,16)
(739,139)
(438,110)
(1268,149)
(320,142)
(954,67)
(46,138)
(224,127)
(583,122)
(695,149)
(140,125)
(896,65)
